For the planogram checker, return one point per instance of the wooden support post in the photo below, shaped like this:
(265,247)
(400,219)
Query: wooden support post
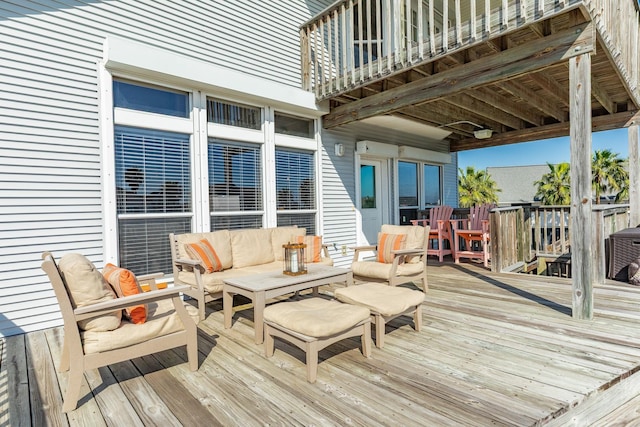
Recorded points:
(634,176)
(581,194)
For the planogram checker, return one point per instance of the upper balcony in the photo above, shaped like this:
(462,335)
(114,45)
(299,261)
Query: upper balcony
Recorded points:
(462,65)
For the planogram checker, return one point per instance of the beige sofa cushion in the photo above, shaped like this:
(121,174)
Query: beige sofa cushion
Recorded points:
(415,237)
(415,234)
(251,247)
(316,317)
(380,298)
(161,320)
(220,240)
(87,286)
(284,235)
(378,270)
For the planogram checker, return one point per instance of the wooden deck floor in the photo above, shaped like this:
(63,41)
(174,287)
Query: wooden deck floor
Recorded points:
(495,349)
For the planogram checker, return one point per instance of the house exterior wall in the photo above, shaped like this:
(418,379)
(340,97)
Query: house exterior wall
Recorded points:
(50,156)
(52,123)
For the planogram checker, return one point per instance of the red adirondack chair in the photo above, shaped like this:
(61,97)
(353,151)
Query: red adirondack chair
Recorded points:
(474,231)
(440,230)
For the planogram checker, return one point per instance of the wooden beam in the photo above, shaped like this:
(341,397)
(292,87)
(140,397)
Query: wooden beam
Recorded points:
(533,98)
(506,65)
(505,104)
(600,123)
(552,88)
(600,94)
(634,175)
(486,110)
(581,189)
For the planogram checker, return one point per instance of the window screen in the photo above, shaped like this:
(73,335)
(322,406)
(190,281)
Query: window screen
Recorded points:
(153,189)
(235,184)
(229,114)
(295,187)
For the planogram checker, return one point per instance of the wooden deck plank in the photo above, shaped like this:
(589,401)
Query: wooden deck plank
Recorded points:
(144,393)
(14,383)
(494,350)
(87,409)
(44,390)
(113,402)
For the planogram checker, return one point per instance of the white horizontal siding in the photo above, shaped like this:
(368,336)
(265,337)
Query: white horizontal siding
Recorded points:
(450,182)
(338,194)
(50,158)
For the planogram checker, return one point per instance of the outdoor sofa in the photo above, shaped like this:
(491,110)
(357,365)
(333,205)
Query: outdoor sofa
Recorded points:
(239,253)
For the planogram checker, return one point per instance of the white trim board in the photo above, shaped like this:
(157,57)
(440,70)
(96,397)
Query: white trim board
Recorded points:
(380,149)
(135,58)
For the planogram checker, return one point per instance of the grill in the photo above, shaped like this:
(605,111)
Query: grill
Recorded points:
(624,247)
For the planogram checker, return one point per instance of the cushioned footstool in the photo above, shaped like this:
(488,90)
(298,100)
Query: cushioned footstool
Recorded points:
(385,303)
(313,324)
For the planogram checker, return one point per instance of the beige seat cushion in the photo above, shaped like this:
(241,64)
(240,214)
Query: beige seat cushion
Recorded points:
(415,237)
(251,247)
(379,270)
(316,317)
(415,234)
(88,286)
(161,320)
(284,235)
(380,298)
(220,241)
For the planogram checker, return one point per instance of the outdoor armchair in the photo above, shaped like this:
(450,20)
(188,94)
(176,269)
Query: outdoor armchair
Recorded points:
(474,232)
(439,223)
(394,266)
(96,333)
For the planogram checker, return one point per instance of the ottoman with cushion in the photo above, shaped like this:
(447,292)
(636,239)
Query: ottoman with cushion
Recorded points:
(385,303)
(313,324)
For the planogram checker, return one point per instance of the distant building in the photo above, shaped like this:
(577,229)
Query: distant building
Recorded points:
(517,183)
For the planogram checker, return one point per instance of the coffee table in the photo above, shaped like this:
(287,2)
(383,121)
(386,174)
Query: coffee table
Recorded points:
(261,287)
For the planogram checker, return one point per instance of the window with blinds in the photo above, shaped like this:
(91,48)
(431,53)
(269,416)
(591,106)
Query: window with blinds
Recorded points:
(235,185)
(153,191)
(295,188)
(226,113)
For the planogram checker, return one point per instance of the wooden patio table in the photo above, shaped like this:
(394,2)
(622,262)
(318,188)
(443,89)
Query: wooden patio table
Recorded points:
(261,287)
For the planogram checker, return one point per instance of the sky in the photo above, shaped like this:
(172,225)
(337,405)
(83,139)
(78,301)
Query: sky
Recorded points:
(555,150)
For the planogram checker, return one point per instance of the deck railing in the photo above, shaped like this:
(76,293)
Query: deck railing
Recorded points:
(354,42)
(520,234)
(618,21)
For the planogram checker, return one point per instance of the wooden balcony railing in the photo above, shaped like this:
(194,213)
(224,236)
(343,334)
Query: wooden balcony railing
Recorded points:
(354,42)
(618,22)
(520,234)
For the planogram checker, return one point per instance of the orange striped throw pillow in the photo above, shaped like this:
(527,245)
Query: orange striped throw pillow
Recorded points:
(388,243)
(313,251)
(203,251)
(124,282)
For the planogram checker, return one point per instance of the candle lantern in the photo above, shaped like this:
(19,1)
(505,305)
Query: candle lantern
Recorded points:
(294,259)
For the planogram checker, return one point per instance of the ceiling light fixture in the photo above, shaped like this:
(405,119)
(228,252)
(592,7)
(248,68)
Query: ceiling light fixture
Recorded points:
(481,133)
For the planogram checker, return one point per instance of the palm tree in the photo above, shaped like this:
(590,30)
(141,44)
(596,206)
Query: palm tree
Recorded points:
(554,187)
(476,187)
(608,173)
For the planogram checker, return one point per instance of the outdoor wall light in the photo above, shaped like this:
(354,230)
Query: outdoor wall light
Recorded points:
(481,133)
(339,149)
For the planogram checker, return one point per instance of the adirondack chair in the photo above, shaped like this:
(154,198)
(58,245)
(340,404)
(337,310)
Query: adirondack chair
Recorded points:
(474,231)
(440,230)
(95,335)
